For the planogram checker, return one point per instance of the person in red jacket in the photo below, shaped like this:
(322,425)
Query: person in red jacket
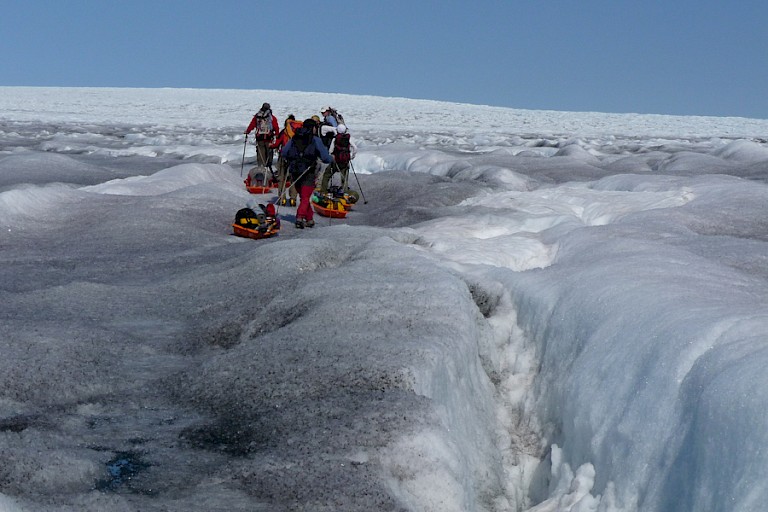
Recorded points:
(265,126)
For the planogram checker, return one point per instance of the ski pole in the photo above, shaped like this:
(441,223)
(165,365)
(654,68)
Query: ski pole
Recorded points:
(261,157)
(242,163)
(297,180)
(365,201)
(281,188)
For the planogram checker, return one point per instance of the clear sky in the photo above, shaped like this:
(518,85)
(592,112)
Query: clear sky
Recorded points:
(689,57)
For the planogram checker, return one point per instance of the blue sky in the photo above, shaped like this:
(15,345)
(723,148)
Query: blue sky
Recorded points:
(668,57)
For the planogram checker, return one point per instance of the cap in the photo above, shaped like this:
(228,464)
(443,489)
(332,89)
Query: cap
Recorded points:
(324,109)
(341,129)
(265,106)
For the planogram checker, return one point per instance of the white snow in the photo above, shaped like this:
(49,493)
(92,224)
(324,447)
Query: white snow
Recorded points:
(534,310)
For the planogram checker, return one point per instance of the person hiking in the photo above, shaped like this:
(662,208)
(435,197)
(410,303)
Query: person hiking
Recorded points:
(290,127)
(331,117)
(265,125)
(326,132)
(343,151)
(301,153)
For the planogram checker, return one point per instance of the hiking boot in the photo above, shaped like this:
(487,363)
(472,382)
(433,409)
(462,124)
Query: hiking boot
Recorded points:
(310,223)
(283,201)
(293,201)
(299,224)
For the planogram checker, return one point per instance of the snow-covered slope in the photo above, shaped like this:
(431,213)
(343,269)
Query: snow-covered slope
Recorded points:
(542,311)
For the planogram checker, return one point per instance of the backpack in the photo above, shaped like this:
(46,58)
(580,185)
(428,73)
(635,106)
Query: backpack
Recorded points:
(257,177)
(339,118)
(341,149)
(263,221)
(302,154)
(291,126)
(248,218)
(263,122)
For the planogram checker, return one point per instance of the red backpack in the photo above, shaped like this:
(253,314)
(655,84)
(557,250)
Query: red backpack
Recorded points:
(341,150)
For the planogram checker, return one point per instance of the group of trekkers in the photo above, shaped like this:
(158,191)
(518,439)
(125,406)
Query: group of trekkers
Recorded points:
(300,145)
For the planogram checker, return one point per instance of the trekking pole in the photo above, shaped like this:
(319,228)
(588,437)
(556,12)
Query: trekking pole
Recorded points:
(328,195)
(281,188)
(344,180)
(297,180)
(365,201)
(261,157)
(242,162)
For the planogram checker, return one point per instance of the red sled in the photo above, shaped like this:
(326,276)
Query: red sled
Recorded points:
(249,224)
(333,210)
(253,233)
(257,188)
